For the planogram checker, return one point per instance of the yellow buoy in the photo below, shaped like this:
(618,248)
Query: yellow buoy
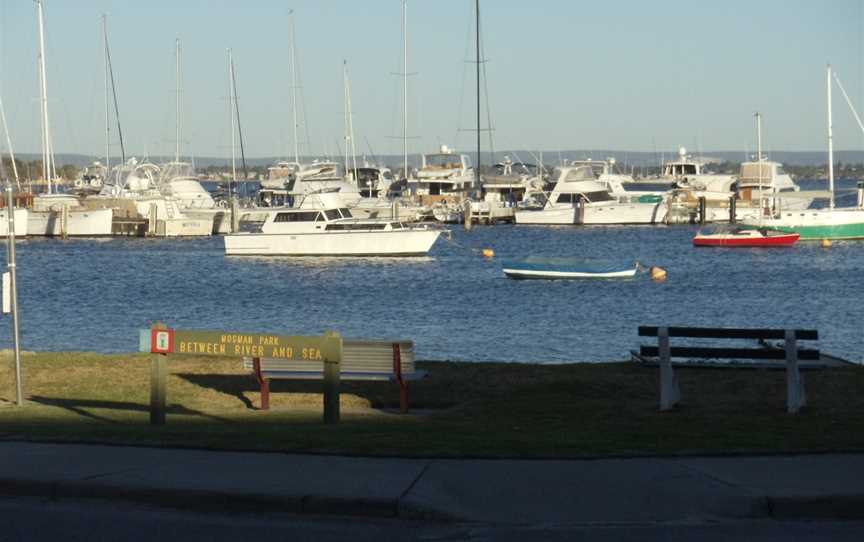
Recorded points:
(826,243)
(488,253)
(658,274)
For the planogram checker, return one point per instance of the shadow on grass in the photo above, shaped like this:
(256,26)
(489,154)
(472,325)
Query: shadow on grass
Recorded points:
(379,394)
(78,406)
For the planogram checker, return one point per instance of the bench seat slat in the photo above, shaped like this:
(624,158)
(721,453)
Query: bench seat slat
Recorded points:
(351,375)
(730,333)
(720,352)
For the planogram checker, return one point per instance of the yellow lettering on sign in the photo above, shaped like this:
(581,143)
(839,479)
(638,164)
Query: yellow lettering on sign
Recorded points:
(268,340)
(312,354)
(284,352)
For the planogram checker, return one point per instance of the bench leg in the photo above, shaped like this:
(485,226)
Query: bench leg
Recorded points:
(670,393)
(796,397)
(263,383)
(403,397)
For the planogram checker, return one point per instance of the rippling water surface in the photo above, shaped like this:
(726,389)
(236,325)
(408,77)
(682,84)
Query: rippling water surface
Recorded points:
(95,294)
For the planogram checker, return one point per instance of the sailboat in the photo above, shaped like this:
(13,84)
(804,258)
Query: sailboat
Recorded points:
(749,236)
(824,224)
(54,213)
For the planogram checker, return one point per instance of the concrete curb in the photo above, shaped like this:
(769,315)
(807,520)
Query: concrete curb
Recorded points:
(217,501)
(841,507)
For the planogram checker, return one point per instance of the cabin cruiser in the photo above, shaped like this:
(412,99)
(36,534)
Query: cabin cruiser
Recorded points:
(177,180)
(504,189)
(578,197)
(768,181)
(692,182)
(64,215)
(321,225)
(132,190)
(91,179)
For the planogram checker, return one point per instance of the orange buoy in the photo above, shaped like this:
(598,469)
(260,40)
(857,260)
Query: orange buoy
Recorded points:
(658,274)
(826,243)
(488,253)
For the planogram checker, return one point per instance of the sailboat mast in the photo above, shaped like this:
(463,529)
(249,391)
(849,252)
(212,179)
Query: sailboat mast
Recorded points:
(405,87)
(759,160)
(477,43)
(179,89)
(830,144)
(107,98)
(294,86)
(345,105)
(233,125)
(47,165)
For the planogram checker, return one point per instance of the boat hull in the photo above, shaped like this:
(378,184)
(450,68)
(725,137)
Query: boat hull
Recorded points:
(374,243)
(20,216)
(733,240)
(562,216)
(551,271)
(818,224)
(79,223)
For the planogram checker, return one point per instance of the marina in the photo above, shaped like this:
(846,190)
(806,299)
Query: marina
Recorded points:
(94,294)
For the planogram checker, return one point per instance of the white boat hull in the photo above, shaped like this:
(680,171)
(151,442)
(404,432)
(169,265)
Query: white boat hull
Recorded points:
(184,227)
(20,216)
(564,215)
(374,243)
(548,274)
(78,223)
(624,213)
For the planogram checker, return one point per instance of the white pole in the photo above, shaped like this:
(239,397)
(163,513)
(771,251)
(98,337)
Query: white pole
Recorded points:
(350,125)
(47,161)
(19,395)
(345,105)
(231,99)
(294,87)
(107,98)
(405,87)
(830,144)
(179,89)
(759,161)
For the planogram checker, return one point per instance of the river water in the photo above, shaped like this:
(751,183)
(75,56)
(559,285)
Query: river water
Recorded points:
(94,295)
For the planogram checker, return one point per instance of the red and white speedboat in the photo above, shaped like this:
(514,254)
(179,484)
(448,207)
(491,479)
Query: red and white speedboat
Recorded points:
(746,238)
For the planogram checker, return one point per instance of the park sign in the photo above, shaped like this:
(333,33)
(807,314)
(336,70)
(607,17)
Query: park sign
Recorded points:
(240,344)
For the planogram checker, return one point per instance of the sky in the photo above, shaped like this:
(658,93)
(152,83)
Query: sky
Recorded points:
(560,74)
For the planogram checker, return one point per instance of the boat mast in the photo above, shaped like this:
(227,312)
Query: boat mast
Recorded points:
(759,161)
(110,74)
(405,87)
(293,48)
(349,124)
(107,98)
(179,89)
(233,126)
(47,158)
(477,60)
(830,144)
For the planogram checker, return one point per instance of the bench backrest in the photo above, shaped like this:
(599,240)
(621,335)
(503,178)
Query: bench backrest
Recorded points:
(358,356)
(728,352)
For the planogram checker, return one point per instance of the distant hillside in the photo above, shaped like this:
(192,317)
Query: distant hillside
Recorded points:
(637,159)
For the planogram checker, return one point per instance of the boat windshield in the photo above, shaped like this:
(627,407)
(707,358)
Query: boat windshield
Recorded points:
(445,161)
(581,173)
(346,213)
(303,216)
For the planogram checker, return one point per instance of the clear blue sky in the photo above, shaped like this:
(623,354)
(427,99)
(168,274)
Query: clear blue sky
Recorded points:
(562,74)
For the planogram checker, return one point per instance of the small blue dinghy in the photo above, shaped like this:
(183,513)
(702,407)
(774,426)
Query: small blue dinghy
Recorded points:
(559,269)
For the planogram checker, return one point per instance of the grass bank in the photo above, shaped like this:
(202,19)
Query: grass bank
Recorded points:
(462,409)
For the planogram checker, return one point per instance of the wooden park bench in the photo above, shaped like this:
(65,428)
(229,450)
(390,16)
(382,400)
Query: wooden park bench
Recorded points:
(362,360)
(670,393)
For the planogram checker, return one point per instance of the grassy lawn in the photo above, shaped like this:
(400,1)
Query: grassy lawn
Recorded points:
(462,409)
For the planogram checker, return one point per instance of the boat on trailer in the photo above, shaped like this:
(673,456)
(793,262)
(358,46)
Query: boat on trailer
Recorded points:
(562,269)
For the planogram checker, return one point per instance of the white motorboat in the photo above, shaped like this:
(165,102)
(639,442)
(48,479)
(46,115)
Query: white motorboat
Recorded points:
(579,198)
(322,226)
(504,189)
(444,173)
(133,189)
(178,181)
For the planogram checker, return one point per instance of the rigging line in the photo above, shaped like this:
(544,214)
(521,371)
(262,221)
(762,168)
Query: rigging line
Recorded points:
(116,108)
(239,127)
(490,128)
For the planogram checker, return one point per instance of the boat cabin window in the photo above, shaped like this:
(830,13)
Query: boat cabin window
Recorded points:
(567,198)
(355,226)
(682,169)
(643,186)
(780,170)
(345,213)
(446,161)
(304,216)
(583,173)
(601,195)
(332,214)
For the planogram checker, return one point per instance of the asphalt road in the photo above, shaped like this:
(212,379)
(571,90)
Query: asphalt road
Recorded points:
(30,519)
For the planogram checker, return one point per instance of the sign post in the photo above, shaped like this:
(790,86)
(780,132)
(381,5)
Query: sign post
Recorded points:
(13,293)
(162,342)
